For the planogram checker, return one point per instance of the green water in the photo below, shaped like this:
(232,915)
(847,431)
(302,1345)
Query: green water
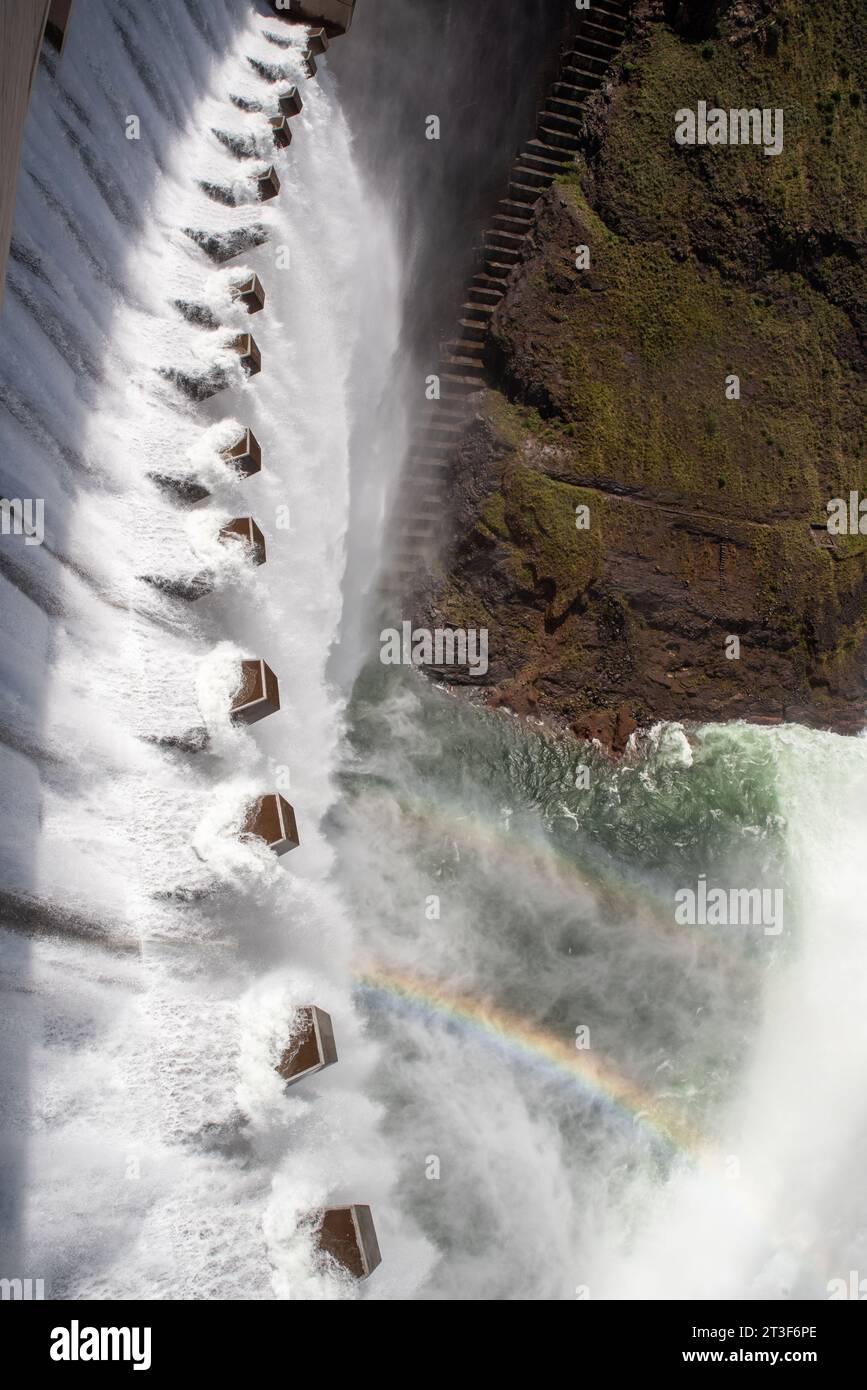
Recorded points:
(556,905)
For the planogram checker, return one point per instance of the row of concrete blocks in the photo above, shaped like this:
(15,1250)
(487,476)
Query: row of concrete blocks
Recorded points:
(346,1234)
(251,292)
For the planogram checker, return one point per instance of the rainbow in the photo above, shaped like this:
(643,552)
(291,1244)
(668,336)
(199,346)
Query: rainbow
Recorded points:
(531,1046)
(595,1078)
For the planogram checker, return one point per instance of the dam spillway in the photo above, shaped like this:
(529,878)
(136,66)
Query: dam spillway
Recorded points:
(239,832)
(154,927)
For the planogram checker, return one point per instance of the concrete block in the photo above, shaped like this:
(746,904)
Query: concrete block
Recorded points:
(347,1234)
(251,293)
(282,131)
(311,1048)
(251,358)
(269,184)
(258,692)
(244,531)
(290,102)
(272,819)
(245,454)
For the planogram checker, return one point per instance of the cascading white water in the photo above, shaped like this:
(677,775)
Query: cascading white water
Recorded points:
(708,1143)
(775,1208)
(154,962)
(155,1152)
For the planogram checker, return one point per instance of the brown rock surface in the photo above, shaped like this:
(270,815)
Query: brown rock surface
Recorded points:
(607,392)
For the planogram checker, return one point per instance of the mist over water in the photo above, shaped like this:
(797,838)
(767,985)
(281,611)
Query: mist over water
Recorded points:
(461,903)
(718,1156)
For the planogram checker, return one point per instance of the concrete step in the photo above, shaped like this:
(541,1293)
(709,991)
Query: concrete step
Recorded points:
(593,63)
(418,515)
(587,81)
(602,33)
(432,448)
(473,328)
(503,222)
(495,278)
(489,300)
(516,208)
(438,416)
(560,106)
(441,414)
(514,241)
(567,91)
(481,310)
(410,511)
(441,429)
(429,467)
(488,293)
(566,141)
(478,315)
(435,455)
(541,155)
(442,410)
(519,214)
(591,44)
(505,256)
(538,179)
(460,385)
(525,193)
(614,22)
(555,120)
(615,9)
(431,481)
(426,505)
(467,350)
(436,427)
(500,269)
(462,365)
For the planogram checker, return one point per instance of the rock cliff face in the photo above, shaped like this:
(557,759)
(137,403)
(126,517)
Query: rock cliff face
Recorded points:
(705,516)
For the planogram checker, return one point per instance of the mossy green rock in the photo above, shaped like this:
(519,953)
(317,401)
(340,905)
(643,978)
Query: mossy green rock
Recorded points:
(707,514)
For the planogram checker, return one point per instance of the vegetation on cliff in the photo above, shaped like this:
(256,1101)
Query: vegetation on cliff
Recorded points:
(609,391)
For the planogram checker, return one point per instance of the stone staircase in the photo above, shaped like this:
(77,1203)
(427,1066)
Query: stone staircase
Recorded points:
(418,519)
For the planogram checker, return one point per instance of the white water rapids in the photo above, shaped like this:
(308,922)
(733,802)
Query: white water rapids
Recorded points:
(150,961)
(155,1152)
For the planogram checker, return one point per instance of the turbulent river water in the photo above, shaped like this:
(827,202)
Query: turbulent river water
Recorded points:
(512,889)
(548,1088)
